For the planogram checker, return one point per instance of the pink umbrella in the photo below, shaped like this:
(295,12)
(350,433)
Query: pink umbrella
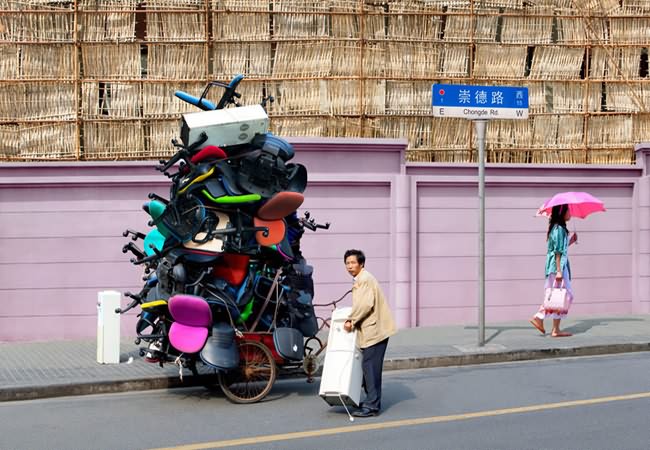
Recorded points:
(581,204)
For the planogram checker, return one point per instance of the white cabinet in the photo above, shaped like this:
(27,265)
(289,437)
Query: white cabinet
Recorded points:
(342,369)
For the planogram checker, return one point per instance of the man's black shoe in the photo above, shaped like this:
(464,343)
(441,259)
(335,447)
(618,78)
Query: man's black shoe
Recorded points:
(365,412)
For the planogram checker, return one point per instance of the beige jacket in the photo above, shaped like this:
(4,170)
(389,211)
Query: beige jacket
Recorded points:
(370,312)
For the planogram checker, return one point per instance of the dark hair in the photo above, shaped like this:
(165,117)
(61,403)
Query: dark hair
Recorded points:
(557,218)
(361,258)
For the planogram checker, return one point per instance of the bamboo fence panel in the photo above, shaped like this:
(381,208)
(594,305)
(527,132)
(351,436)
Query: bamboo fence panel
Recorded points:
(110,20)
(621,97)
(410,24)
(344,97)
(610,131)
(538,98)
(13,98)
(641,127)
(9,62)
(598,62)
(544,132)
(345,25)
(289,25)
(251,94)
(629,30)
(35,27)
(559,156)
(570,131)
(374,59)
(596,30)
(565,97)
(38,101)
(374,26)
(177,27)
(412,60)
(176,4)
(449,133)
(111,61)
(111,140)
(497,61)
(313,59)
(54,61)
(9,141)
(158,137)
(47,141)
(598,6)
(557,63)
(528,30)
(595,97)
(176,61)
(346,59)
(299,126)
(611,156)
(250,59)
(240,26)
(455,60)
(616,63)
(374,98)
(306,97)
(571,30)
(159,102)
(404,97)
(635,7)
(349,127)
(506,4)
(457,27)
(111,100)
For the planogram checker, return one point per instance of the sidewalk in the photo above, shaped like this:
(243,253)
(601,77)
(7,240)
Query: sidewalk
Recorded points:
(51,369)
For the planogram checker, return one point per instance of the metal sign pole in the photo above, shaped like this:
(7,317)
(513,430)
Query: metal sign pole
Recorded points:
(480,126)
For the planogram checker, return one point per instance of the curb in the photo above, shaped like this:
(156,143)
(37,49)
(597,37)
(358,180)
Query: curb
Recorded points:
(165,382)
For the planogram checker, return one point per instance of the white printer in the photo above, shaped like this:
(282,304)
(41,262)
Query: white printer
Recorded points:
(342,370)
(224,127)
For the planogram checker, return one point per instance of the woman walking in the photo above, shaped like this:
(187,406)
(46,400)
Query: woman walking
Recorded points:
(558,269)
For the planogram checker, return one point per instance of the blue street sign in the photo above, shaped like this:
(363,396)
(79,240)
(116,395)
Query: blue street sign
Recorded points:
(479,102)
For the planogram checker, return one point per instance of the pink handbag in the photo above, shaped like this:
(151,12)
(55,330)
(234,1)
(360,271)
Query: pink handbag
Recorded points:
(556,298)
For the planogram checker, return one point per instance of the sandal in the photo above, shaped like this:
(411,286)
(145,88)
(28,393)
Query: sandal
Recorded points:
(561,334)
(536,323)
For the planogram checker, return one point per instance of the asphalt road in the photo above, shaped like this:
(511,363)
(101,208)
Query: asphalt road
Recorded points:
(581,403)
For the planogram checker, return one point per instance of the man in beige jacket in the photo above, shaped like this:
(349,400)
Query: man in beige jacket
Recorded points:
(372,318)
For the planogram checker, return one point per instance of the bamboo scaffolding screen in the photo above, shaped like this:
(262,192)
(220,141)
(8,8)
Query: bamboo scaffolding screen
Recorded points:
(54,61)
(117,139)
(403,97)
(629,30)
(336,67)
(635,7)
(98,61)
(111,100)
(35,27)
(496,61)
(609,131)
(176,61)
(618,97)
(557,63)
(48,141)
(9,62)
(175,27)
(528,29)
(457,27)
(10,137)
(240,26)
(374,98)
(313,59)
(158,137)
(409,25)
(455,60)
(346,59)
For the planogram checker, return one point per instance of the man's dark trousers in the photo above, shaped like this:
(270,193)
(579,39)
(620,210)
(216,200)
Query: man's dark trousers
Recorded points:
(373,363)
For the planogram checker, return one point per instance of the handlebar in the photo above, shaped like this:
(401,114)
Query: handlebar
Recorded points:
(137,300)
(311,224)
(204,104)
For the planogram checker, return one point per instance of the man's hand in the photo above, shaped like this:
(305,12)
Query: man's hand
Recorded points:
(347,326)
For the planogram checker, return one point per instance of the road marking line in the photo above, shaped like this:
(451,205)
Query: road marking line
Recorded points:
(403,423)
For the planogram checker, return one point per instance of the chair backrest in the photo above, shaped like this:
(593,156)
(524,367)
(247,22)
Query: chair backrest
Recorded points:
(277,230)
(190,310)
(280,205)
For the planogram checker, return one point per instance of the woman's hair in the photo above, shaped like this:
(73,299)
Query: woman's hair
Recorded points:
(557,218)
(361,258)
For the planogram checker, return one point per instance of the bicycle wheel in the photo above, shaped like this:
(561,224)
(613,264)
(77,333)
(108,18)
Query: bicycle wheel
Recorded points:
(254,378)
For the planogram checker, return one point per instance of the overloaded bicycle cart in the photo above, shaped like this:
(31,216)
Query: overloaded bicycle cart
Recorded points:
(227,291)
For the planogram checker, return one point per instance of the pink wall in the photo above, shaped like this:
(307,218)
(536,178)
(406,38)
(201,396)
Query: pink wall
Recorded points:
(61,225)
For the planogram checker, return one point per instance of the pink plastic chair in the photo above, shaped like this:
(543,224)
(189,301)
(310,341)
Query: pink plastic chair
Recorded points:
(192,319)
